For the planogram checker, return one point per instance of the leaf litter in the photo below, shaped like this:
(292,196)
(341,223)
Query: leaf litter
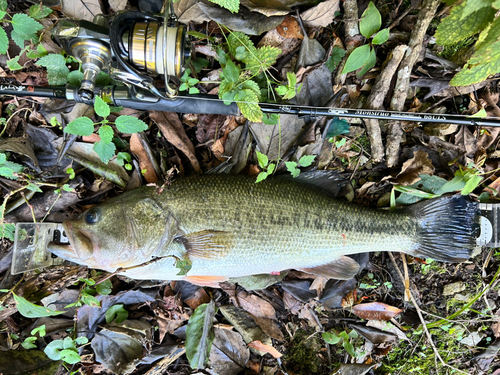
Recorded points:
(302,305)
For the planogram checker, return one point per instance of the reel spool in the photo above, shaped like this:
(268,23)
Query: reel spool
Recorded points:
(134,48)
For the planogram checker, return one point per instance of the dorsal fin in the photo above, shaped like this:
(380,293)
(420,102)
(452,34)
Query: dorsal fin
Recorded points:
(330,182)
(344,268)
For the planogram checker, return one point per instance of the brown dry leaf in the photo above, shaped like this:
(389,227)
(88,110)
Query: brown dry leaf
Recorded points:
(199,298)
(321,15)
(82,10)
(375,311)
(269,327)
(265,348)
(495,327)
(172,129)
(146,164)
(117,5)
(413,168)
(292,304)
(290,28)
(254,305)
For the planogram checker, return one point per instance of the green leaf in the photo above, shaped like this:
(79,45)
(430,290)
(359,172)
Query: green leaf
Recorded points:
(40,330)
(496,4)
(106,151)
(101,107)
(292,79)
(39,52)
(90,300)
(370,21)
(57,71)
(472,6)
(335,58)
(70,356)
(249,106)
(104,288)
(194,90)
(106,133)
(4,42)
(7,231)
(75,78)
(331,338)
(281,90)
(34,188)
(129,124)
(262,159)
(471,184)
(265,57)
(415,192)
(475,74)
(82,340)
(200,335)
(357,59)
(30,310)
(337,127)
(80,126)
(3,5)
(481,113)
(270,168)
(232,5)
(53,350)
(231,72)
(241,53)
(381,37)
(13,64)
(306,160)
(123,157)
(270,119)
(370,63)
(25,25)
(116,312)
(200,63)
(291,166)
(3,158)
(261,177)
(184,266)
(38,12)
(183,87)
(28,343)
(453,29)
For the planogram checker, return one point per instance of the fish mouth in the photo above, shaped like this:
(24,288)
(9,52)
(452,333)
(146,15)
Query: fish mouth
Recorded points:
(81,248)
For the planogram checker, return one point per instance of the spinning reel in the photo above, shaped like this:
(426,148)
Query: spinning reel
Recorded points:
(134,47)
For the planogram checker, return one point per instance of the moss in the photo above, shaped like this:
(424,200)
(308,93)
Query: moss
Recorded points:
(302,354)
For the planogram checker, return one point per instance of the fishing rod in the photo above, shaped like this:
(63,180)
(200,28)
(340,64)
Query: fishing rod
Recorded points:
(136,47)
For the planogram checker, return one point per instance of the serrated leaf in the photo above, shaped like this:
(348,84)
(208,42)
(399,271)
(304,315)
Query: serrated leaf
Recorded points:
(249,105)
(381,37)
(231,72)
(3,5)
(38,12)
(335,58)
(452,29)
(30,310)
(129,124)
(281,90)
(106,151)
(262,159)
(370,63)
(306,160)
(7,231)
(270,168)
(13,64)
(265,57)
(261,177)
(117,312)
(101,107)
(200,335)
(25,25)
(470,75)
(3,158)
(57,71)
(357,59)
(496,4)
(370,21)
(232,5)
(80,126)
(290,166)
(75,78)
(240,53)
(472,6)
(4,42)
(251,85)
(106,133)
(34,188)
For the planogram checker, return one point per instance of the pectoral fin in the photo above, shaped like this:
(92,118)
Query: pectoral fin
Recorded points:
(344,268)
(207,244)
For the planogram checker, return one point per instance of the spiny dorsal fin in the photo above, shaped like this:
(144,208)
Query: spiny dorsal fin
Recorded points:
(344,268)
(207,244)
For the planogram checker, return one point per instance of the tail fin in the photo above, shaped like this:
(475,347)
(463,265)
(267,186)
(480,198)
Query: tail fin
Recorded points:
(449,228)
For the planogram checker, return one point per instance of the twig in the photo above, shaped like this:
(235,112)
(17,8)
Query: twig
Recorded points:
(30,206)
(407,279)
(424,325)
(395,133)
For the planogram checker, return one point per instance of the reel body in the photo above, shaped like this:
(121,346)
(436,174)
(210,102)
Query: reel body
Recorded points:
(134,47)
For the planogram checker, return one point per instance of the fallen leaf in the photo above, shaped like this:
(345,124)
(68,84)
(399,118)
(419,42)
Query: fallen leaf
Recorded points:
(265,348)
(275,7)
(311,52)
(299,289)
(290,28)
(81,10)
(198,298)
(375,335)
(145,162)
(335,291)
(254,305)
(321,15)
(117,5)
(21,146)
(229,354)
(172,129)
(412,169)
(375,311)
(189,11)
(270,327)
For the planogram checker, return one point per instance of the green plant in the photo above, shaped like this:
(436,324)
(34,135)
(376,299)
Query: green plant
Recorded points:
(88,292)
(335,58)
(304,161)
(466,19)
(65,350)
(333,337)
(364,56)
(105,148)
(267,168)
(24,28)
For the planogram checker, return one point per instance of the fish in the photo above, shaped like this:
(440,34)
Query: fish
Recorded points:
(228,226)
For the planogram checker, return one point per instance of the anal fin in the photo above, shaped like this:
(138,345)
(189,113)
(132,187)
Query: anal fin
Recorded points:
(211,281)
(343,268)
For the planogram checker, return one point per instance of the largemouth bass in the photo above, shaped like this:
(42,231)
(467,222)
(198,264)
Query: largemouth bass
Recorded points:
(229,226)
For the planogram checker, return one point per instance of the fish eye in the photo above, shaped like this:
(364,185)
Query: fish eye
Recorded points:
(92,216)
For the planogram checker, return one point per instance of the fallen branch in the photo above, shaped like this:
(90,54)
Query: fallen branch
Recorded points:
(395,133)
(376,100)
